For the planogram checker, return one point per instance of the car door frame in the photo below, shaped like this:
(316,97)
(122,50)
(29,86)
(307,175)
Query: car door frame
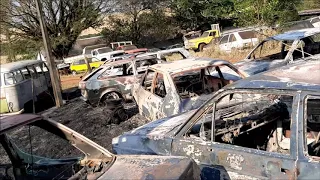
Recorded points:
(309,166)
(143,95)
(224,46)
(236,159)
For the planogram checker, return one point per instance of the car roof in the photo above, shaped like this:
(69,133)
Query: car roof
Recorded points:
(103,48)
(296,34)
(290,77)
(163,51)
(10,122)
(17,65)
(188,64)
(127,60)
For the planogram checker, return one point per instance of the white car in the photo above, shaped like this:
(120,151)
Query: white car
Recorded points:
(237,40)
(105,53)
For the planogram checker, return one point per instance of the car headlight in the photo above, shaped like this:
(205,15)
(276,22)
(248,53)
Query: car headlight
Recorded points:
(115,140)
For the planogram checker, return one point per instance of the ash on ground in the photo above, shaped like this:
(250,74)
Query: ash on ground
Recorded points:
(91,121)
(81,117)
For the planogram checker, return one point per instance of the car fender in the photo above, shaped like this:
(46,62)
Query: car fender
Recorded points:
(108,90)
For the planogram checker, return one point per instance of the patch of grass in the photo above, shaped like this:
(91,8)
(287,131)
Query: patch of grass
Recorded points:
(215,53)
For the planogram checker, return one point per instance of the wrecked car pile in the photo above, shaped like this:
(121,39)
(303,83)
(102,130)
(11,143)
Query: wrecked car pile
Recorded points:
(173,88)
(264,126)
(282,49)
(91,161)
(232,125)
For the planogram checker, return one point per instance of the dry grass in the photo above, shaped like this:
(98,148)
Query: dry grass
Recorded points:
(215,53)
(237,54)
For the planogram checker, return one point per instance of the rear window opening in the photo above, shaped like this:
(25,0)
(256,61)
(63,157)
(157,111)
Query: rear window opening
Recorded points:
(247,34)
(196,82)
(92,74)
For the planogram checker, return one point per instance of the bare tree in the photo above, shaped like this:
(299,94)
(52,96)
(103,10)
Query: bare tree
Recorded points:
(65,20)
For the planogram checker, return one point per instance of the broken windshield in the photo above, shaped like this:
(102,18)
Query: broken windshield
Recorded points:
(286,49)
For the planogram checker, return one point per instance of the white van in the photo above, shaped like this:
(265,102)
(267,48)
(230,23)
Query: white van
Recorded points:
(19,82)
(237,40)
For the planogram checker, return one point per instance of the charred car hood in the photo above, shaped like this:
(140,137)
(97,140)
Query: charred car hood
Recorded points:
(145,139)
(252,67)
(163,126)
(152,167)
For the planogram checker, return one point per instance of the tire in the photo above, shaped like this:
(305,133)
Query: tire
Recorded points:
(200,48)
(74,73)
(109,95)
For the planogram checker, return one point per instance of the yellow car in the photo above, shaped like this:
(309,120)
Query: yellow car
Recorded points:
(80,65)
(200,42)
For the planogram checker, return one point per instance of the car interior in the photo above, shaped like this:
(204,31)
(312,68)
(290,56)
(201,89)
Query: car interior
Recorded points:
(200,81)
(249,120)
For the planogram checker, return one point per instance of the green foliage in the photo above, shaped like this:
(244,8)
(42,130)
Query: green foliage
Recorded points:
(193,14)
(265,12)
(20,49)
(65,20)
(147,27)
(309,4)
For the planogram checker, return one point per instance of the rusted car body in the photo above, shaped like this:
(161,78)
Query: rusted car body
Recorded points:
(173,88)
(95,163)
(281,50)
(114,80)
(266,126)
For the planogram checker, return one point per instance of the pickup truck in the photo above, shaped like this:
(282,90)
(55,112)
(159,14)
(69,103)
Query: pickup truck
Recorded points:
(198,43)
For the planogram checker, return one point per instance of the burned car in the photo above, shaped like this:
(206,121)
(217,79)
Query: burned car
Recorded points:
(173,88)
(266,126)
(114,80)
(282,49)
(24,139)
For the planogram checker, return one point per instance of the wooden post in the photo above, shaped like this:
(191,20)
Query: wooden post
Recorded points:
(55,80)
(87,63)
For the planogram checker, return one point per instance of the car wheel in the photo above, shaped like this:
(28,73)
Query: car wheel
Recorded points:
(74,73)
(112,95)
(201,47)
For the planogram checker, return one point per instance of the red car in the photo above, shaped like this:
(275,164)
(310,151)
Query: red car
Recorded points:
(131,49)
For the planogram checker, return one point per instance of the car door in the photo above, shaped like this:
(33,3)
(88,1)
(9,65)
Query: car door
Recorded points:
(143,93)
(155,102)
(232,42)
(235,141)
(223,44)
(308,137)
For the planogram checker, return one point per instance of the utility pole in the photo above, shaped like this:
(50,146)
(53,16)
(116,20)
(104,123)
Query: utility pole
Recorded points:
(55,80)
